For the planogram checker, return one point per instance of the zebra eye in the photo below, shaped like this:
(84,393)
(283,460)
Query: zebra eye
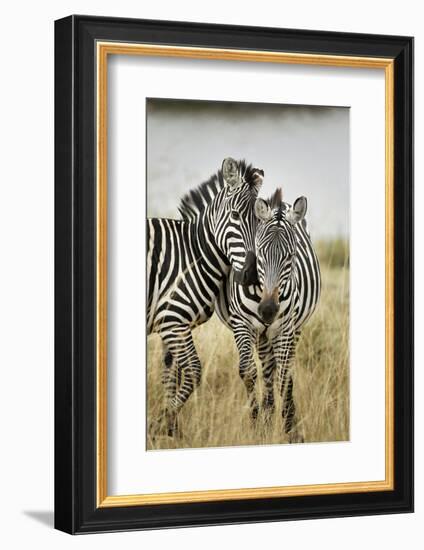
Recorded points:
(235,215)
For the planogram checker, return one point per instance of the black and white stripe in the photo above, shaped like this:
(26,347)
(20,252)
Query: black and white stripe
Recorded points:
(272,313)
(187,262)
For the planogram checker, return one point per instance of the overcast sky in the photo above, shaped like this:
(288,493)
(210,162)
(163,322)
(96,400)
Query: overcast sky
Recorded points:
(305,150)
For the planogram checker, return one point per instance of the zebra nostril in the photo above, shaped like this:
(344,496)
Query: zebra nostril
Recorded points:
(248,274)
(267,311)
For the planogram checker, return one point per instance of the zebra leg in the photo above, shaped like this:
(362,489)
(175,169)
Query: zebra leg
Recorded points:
(247,368)
(186,375)
(266,356)
(169,375)
(284,350)
(170,384)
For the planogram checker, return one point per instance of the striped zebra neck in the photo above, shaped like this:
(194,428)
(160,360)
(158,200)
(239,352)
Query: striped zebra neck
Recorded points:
(197,200)
(205,245)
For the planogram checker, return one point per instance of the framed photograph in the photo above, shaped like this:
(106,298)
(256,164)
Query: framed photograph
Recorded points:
(234,274)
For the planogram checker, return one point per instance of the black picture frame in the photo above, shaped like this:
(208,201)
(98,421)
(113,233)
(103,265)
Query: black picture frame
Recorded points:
(76,510)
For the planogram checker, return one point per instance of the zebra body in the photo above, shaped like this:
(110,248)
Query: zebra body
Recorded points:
(182,282)
(187,263)
(271,314)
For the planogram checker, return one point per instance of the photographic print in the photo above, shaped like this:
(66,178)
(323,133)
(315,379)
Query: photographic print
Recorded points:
(247,274)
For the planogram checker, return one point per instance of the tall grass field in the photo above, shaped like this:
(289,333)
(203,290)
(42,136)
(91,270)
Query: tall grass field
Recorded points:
(217,414)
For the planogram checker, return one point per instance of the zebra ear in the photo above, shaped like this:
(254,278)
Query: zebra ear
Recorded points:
(262,210)
(297,211)
(230,172)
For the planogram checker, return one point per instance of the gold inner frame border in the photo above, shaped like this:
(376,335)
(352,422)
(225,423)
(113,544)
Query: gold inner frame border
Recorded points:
(103,50)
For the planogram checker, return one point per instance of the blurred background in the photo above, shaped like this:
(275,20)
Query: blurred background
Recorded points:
(303,149)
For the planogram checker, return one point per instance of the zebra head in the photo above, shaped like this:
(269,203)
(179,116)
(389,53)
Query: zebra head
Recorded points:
(227,203)
(235,220)
(276,245)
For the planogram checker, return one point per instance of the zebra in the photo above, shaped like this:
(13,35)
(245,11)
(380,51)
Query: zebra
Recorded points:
(187,263)
(272,313)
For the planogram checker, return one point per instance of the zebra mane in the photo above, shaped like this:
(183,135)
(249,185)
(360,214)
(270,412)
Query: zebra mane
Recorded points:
(276,203)
(196,200)
(276,198)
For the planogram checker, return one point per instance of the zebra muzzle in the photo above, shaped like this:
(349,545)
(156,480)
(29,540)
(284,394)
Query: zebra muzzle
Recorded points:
(269,306)
(248,275)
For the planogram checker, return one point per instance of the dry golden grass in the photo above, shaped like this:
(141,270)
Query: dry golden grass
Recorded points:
(217,414)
